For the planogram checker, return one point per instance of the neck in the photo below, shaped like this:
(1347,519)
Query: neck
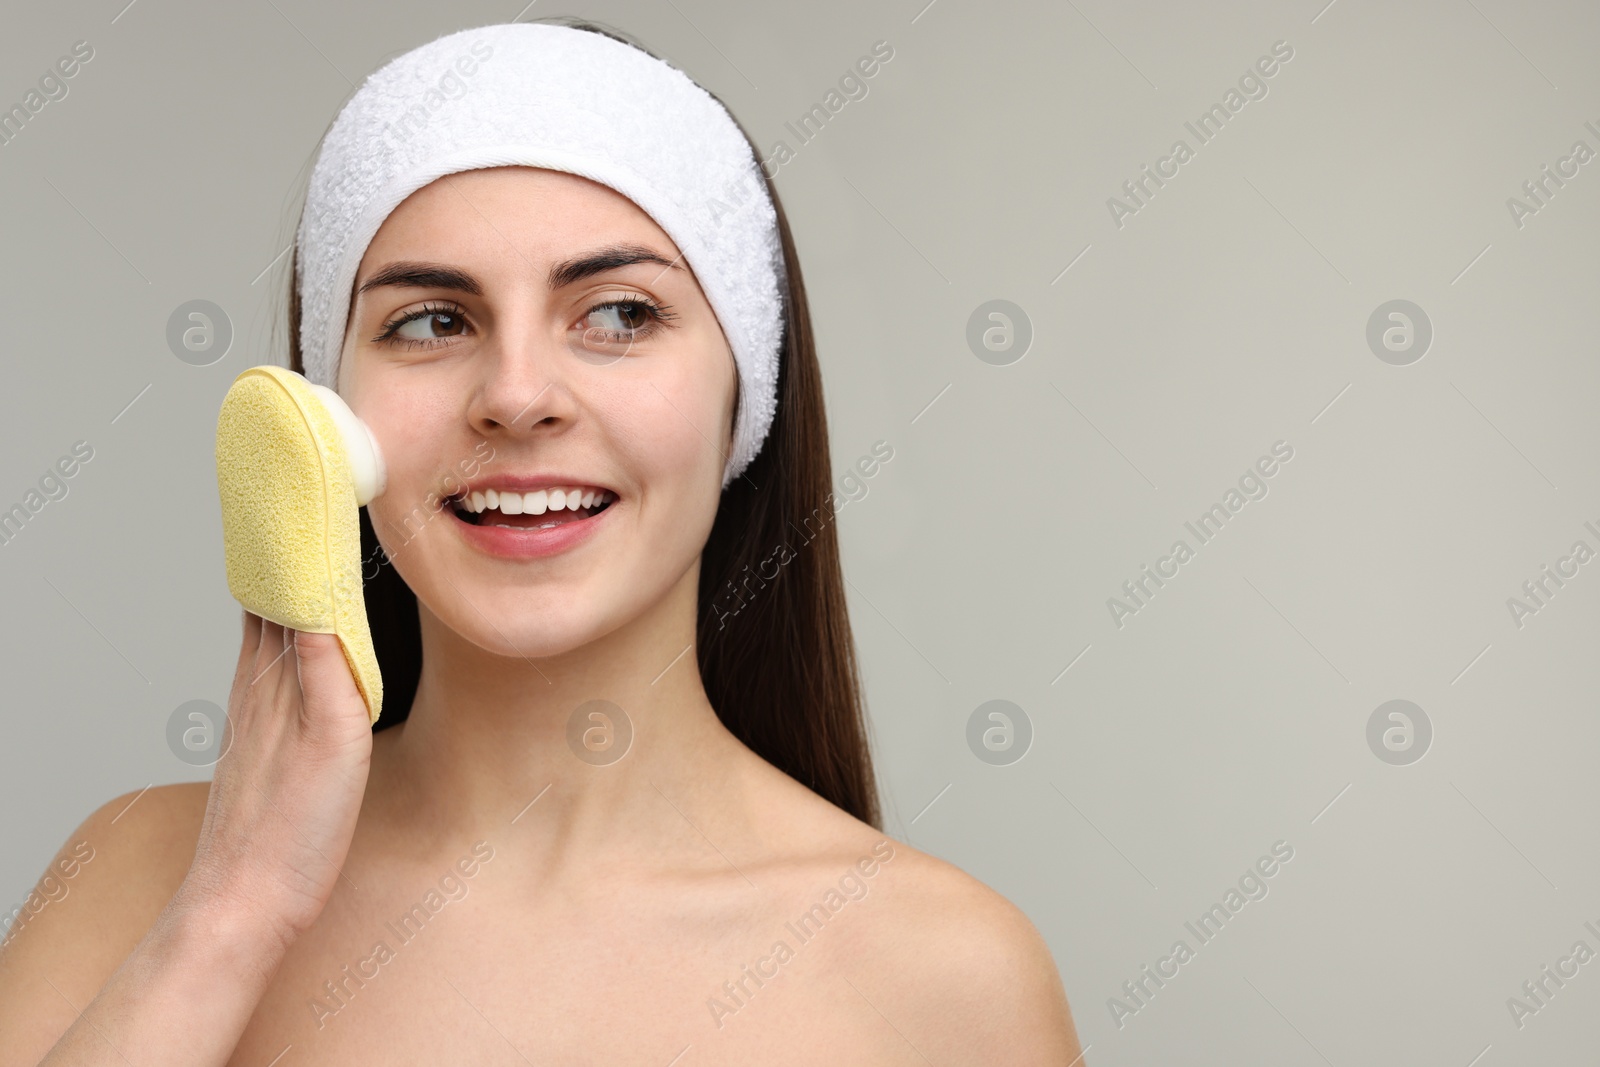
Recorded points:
(501,748)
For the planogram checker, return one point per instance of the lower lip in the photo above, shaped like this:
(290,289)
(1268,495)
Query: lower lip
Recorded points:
(510,543)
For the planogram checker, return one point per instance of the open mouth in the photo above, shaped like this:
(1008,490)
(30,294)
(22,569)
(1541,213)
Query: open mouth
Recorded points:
(542,509)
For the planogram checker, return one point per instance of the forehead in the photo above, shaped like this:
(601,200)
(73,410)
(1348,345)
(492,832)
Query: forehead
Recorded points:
(527,214)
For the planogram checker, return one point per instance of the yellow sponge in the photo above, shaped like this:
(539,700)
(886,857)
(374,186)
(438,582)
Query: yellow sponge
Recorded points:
(290,528)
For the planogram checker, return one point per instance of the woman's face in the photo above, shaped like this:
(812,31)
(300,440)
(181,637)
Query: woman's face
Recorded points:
(554,372)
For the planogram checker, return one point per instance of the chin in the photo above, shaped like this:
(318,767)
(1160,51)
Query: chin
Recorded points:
(525,625)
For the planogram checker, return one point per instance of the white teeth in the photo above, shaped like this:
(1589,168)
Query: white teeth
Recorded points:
(537,502)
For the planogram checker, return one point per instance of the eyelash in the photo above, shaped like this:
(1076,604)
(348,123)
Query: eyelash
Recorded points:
(660,315)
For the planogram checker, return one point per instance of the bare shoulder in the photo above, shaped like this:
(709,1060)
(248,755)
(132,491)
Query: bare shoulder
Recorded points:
(960,970)
(93,904)
(969,963)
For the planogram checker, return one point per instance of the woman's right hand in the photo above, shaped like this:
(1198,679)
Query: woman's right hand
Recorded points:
(286,793)
(280,814)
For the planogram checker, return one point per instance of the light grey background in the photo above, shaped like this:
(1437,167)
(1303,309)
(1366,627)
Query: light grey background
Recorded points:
(1229,313)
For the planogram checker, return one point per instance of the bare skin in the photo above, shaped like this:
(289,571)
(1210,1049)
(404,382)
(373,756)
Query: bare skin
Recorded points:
(607,905)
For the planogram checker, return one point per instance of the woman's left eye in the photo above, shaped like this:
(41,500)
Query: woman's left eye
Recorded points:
(624,321)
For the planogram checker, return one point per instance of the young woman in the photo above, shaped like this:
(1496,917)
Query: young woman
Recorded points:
(620,806)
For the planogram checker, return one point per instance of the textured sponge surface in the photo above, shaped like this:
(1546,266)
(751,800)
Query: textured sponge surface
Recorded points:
(290,526)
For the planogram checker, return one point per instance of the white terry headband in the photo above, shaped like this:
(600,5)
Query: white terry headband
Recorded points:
(565,99)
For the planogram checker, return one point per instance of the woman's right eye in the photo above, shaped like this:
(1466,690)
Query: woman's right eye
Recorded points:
(424,327)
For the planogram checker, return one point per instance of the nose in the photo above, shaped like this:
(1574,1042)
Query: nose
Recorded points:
(523,388)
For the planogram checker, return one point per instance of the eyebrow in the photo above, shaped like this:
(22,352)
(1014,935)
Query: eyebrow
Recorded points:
(420,275)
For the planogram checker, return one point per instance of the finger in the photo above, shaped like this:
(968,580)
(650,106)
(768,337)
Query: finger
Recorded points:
(270,656)
(283,675)
(323,670)
(249,643)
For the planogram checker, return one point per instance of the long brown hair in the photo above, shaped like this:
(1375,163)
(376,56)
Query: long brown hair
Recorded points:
(774,646)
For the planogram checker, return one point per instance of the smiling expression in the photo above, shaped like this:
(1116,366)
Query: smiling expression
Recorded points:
(517,330)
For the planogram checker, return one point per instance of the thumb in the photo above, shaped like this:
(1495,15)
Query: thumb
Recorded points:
(323,670)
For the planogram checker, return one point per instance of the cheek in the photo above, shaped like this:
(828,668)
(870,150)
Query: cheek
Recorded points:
(678,421)
(404,518)
(419,468)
